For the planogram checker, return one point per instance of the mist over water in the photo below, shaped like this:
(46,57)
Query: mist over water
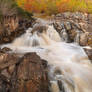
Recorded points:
(68,62)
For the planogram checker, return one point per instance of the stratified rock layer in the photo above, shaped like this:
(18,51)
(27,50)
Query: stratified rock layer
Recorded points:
(22,73)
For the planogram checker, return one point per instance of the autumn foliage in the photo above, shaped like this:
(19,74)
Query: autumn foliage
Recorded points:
(55,6)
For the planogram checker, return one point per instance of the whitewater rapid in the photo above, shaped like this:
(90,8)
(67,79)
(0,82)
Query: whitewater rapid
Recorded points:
(69,62)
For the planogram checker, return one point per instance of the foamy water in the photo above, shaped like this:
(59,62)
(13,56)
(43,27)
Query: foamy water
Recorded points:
(69,62)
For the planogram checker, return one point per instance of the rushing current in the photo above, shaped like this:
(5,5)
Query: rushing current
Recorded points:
(69,64)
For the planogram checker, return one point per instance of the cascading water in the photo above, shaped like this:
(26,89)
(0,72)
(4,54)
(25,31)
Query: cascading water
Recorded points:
(69,64)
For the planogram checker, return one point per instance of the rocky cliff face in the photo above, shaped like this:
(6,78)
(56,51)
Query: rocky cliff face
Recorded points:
(74,27)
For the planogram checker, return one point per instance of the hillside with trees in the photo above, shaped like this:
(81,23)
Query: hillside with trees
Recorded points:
(55,6)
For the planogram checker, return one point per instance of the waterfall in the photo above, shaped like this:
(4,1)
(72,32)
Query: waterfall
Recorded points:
(69,64)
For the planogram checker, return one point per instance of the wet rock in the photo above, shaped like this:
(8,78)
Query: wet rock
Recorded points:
(89,39)
(72,34)
(89,53)
(7,38)
(68,25)
(67,15)
(77,37)
(54,86)
(10,35)
(32,72)
(4,84)
(5,73)
(89,28)
(58,26)
(90,18)
(77,25)
(7,60)
(31,75)
(61,87)
(5,49)
(59,15)
(83,39)
(64,35)
(11,69)
(77,15)
(39,28)
(23,74)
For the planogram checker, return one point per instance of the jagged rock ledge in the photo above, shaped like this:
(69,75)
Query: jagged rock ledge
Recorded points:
(74,27)
(22,73)
(14,27)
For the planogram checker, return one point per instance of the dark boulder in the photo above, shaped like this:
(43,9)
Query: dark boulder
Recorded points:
(32,75)
(7,35)
(23,73)
(89,53)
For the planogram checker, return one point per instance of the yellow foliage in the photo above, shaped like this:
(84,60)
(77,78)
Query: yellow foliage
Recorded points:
(21,2)
(55,6)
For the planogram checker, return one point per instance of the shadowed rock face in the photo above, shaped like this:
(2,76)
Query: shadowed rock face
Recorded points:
(89,53)
(22,73)
(32,74)
(7,38)
(39,28)
(7,35)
